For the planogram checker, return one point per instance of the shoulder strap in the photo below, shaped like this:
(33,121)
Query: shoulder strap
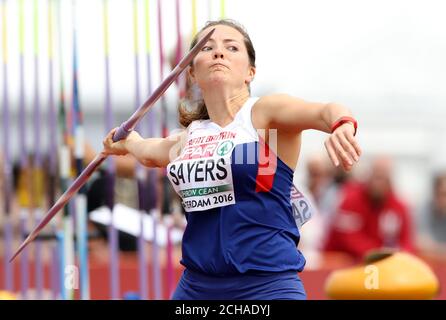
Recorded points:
(245,116)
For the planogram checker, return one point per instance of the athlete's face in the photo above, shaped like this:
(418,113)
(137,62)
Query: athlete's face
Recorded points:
(223,60)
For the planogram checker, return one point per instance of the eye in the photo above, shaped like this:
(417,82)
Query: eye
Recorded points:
(206,48)
(233,48)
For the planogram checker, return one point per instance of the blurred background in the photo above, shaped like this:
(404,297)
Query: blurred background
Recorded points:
(384,60)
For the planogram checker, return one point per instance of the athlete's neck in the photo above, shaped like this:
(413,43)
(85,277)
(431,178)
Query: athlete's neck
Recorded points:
(223,106)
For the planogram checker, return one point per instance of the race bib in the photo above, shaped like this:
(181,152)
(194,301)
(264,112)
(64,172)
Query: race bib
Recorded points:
(202,175)
(302,208)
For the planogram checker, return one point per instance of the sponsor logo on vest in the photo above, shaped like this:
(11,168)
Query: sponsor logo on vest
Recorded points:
(224,148)
(199,151)
(204,191)
(212,138)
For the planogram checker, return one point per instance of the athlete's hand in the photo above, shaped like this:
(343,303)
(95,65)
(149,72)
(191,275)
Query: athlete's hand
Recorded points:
(118,148)
(342,146)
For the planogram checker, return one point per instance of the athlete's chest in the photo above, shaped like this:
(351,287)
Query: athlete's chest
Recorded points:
(203,174)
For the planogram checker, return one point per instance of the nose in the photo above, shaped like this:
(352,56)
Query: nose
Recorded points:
(218,54)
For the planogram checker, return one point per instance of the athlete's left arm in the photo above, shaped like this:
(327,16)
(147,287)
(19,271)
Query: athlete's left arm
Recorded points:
(291,114)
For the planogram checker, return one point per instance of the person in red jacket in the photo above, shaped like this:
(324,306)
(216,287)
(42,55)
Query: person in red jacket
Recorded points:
(371,216)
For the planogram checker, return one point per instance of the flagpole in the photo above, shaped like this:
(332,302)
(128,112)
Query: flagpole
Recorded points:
(52,152)
(113,245)
(222,9)
(194,17)
(66,236)
(7,164)
(81,197)
(140,171)
(152,178)
(37,168)
(23,191)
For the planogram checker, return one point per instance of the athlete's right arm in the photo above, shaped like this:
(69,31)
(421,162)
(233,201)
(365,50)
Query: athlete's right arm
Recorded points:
(151,152)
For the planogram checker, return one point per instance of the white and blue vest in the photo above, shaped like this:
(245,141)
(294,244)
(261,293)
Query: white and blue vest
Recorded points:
(242,209)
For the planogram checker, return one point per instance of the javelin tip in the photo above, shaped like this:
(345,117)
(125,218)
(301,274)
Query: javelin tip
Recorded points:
(22,246)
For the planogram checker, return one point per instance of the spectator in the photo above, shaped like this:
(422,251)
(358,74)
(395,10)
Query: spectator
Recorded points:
(325,184)
(318,176)
(371,215)
(432,239)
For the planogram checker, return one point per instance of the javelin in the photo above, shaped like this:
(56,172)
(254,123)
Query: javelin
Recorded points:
(122,132)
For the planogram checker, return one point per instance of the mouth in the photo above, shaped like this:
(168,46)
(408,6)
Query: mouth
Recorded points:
(218,65)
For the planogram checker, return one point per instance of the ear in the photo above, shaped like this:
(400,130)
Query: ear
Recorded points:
(251,74)
(191,73)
